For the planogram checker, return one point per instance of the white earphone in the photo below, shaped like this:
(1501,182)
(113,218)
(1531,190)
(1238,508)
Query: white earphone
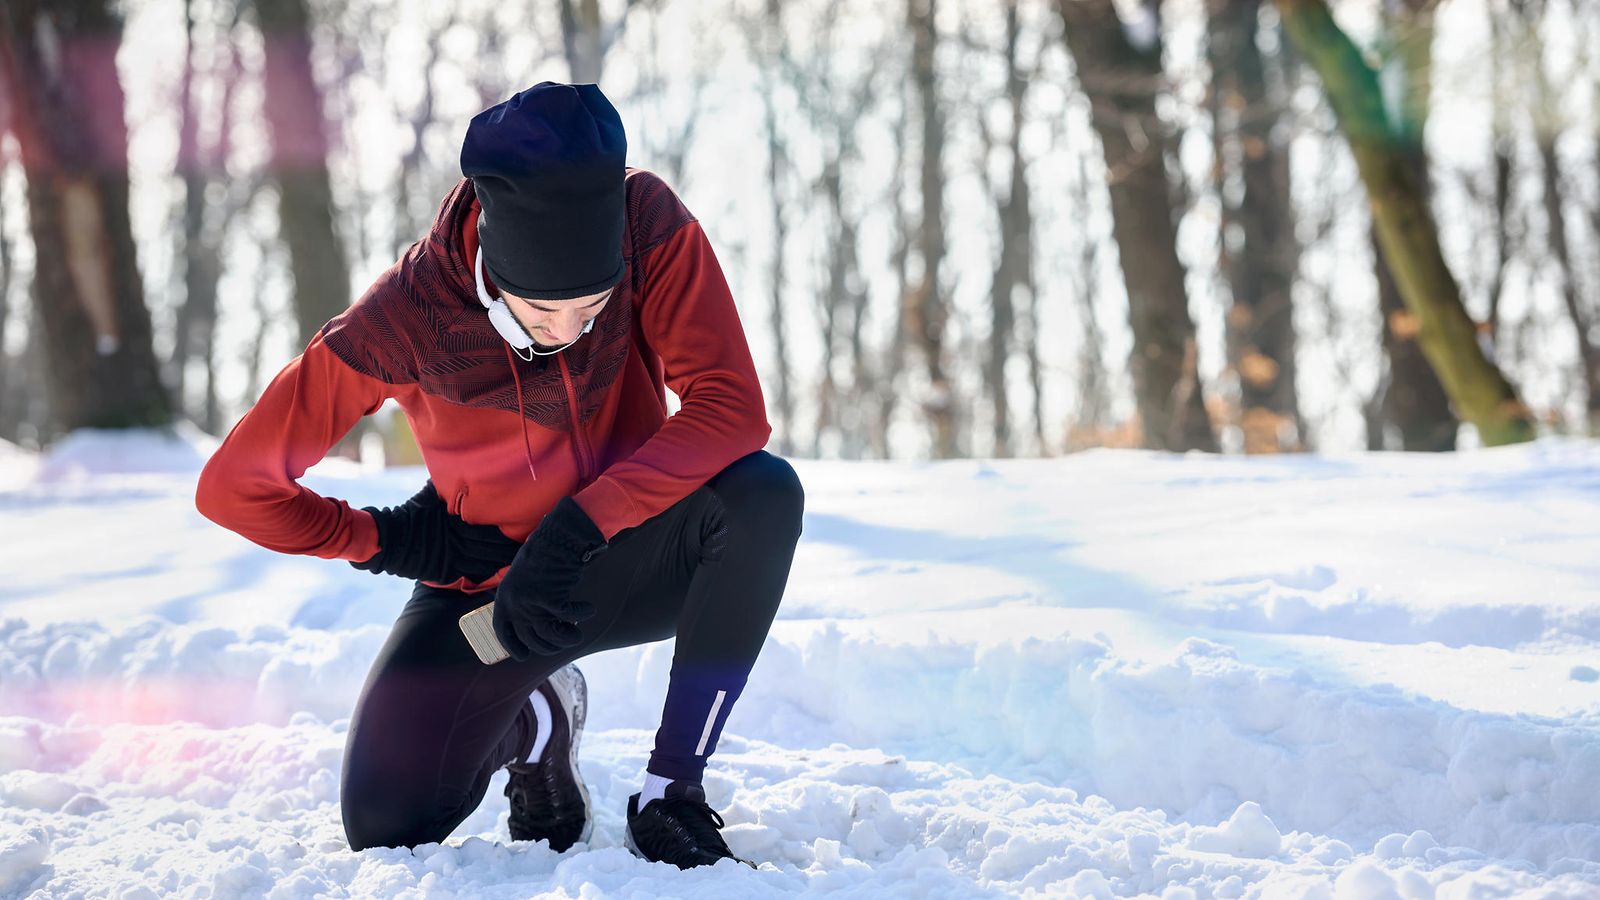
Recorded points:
(504,322)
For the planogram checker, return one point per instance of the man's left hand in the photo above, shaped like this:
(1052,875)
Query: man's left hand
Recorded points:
(424,540)
(533,607)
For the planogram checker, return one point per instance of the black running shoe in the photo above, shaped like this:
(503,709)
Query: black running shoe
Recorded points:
(548,798)
(680,829)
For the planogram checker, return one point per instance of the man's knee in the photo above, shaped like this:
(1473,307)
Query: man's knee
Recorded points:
(378,818)
(368,824)
(386,803)
(364,835)
(763,488)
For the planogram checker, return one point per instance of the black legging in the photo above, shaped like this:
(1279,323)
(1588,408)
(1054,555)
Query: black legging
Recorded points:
(433,723)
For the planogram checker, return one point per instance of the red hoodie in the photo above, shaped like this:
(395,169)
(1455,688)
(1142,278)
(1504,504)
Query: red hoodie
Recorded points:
(505,439)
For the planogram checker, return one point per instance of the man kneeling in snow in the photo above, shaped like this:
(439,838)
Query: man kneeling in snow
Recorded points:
(529,339)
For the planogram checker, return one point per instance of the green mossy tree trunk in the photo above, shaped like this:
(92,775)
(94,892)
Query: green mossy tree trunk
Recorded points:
(1407,234)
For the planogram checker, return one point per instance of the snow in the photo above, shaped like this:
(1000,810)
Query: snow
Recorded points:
(89,453)
(1115,674)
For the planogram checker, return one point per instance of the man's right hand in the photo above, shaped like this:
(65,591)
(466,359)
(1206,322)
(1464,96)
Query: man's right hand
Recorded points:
(423,540)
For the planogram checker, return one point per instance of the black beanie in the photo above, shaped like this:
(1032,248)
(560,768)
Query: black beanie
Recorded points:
(547,167)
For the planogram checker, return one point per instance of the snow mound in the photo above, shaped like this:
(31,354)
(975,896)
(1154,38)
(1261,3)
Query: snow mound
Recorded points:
(1115,675)
(89,452)
(1352,764)
(17,466)
(1248,832)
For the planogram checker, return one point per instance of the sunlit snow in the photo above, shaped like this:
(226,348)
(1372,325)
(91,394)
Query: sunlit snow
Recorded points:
(1114,674)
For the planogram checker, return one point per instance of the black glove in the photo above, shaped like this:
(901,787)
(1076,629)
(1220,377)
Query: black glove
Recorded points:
(422,539)
(533,608)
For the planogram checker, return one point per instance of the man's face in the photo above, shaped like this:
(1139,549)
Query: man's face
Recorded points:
(556,323)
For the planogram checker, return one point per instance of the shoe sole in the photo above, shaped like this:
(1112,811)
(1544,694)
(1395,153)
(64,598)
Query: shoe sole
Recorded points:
(566,691)
(572,694)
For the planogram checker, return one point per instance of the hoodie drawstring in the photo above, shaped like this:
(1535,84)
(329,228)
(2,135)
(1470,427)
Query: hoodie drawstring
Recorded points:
(527,443)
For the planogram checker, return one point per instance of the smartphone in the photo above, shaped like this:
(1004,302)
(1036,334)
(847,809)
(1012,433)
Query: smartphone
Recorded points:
(478,626)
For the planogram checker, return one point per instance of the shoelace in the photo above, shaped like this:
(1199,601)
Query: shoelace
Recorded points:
(698,820)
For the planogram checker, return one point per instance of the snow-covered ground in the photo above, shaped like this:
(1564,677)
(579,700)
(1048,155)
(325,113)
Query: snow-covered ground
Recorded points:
(1115,674)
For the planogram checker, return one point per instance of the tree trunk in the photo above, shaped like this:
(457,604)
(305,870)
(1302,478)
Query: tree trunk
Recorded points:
(834,110)
(857,426)
(195,332)
(835,299)
(299,164)
(1091,422)
(1259,252)
(1122,82)
(928,307)
(1502,240)
(1413,401)
(411,224)
(1406,230)
(60,62)
(1503,87)
(1035,363)
(1013,274)
(586,37)
(1547,116)
(193,216)
(886,385)
(780,224)
(583,39)
(1577,311)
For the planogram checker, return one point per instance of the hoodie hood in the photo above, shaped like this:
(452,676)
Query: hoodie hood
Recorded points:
(454,225)
(429,328)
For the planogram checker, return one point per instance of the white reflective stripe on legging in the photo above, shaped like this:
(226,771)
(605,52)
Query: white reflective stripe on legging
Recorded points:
(710,721)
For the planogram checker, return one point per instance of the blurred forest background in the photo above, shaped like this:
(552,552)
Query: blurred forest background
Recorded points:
(954,227)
